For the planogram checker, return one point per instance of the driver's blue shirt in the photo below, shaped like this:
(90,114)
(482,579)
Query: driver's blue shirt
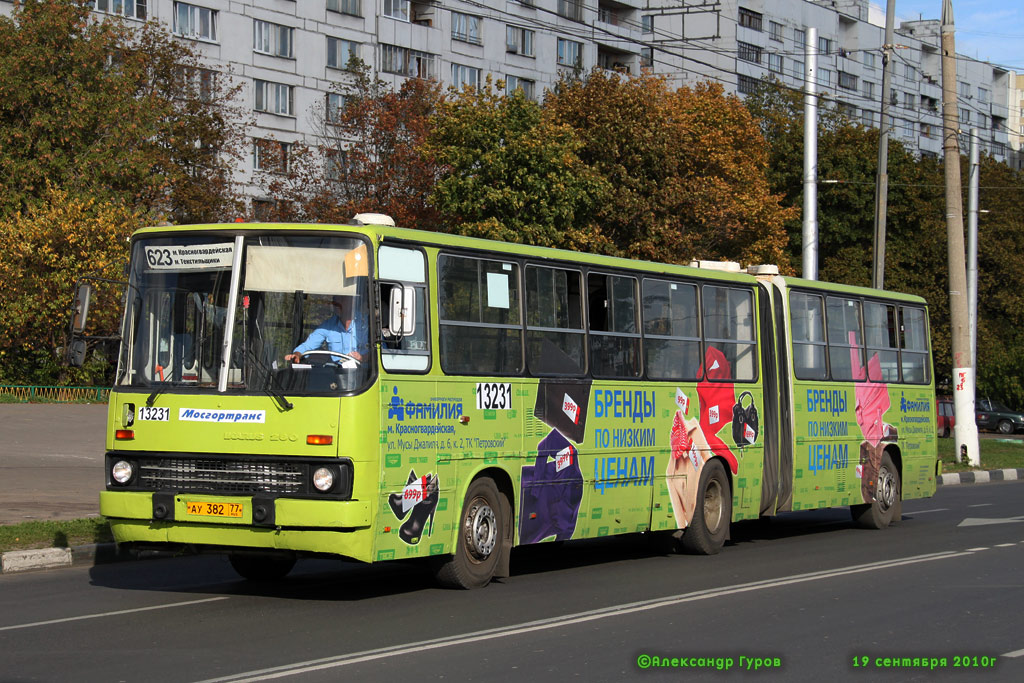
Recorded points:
(331,335)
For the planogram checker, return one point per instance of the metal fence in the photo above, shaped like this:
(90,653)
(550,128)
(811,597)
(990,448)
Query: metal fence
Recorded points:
(29,394)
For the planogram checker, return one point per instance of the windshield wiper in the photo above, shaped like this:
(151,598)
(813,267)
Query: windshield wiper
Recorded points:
(268,384)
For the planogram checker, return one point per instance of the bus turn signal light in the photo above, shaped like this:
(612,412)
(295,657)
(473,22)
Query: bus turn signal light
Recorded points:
(319,439)
(124,434)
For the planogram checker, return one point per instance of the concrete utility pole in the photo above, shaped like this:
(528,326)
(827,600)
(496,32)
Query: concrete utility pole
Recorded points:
(810,233)
(965,430)
(973,173)
(882,179)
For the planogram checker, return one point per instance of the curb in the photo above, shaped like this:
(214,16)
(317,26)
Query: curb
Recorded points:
(95,554)
(980,477)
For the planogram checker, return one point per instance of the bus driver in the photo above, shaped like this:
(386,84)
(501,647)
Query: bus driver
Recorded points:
(340,333)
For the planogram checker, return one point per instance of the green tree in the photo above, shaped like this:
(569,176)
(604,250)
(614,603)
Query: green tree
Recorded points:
(511,174)
(688,168)
(44,250)
(114,112)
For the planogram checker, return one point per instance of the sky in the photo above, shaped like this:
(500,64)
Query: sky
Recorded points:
(990,30)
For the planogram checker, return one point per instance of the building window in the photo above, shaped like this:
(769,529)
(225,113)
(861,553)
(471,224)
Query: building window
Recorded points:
(868,117)
(133,9)
(746,84)
(800,37)
(529,87)
(826,77)
(571,9)
(335,106)
(798,68)
(336,164)
(274,98)
(909,100)
(570,53)
(982,121)
(926,130)
(465,75)
(270,156)
(466,27)
(750,19)
(340,52)
(965,116)
(964,89)
(825,45)
(272,39)
(647,23)
(646,57)
(847,81)
(406,62)
(775,63)
(868,89)
(345,7)
(749,52)
(397,9)
(201,83)
(775,30)
(519,41)
(869,60)
(195,22)
(982,94)
(847,110)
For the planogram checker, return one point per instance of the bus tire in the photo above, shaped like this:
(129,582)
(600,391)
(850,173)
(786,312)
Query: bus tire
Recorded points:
(710,524)
(478,545)
(262,566)
(887,507)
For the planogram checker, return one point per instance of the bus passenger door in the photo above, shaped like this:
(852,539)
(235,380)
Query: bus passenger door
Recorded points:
(770,367)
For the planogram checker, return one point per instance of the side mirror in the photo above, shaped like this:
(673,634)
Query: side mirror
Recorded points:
(76,353)
(81,312)
(402,310)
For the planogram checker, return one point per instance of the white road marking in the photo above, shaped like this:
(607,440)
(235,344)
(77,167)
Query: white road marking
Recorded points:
(980,505)
(565,620)
(1005,545)
(1015,653)
(109,614)
(925,512)
(976,550)
(985,521)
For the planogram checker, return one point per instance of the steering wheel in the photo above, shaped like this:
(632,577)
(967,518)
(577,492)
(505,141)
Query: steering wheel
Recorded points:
(335,354)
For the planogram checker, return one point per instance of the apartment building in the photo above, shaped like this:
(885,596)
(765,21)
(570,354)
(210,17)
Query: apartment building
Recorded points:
(290,54)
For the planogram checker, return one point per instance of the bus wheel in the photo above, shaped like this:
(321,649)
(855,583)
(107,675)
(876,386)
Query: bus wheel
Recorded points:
(710,525)
(479,542)
(262,566)
(887,506)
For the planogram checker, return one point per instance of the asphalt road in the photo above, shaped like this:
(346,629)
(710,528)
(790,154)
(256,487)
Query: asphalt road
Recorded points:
(806,589)
(51,461)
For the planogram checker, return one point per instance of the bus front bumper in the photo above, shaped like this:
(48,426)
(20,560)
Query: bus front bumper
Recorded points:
(317,526)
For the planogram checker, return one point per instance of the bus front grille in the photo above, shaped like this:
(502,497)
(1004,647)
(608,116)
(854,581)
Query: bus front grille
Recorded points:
(227,476)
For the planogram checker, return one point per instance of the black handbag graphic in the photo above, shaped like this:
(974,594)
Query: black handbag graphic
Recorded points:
(744,421)
(563,404)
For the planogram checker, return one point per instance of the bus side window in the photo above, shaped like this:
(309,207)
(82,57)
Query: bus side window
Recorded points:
(729,327)
(880,336)
(808,319)
(555,338)
(614,333)
(914,345)
(480,324)
(845,341)
(671,333)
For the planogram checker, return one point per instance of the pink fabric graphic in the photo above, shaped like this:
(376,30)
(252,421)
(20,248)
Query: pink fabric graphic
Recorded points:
(680,439)
(872,397)
(716,402)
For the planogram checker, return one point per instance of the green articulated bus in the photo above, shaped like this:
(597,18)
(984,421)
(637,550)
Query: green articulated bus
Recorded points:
(376,393)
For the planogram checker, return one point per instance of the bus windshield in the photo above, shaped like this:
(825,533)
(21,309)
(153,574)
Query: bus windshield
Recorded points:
(300,323)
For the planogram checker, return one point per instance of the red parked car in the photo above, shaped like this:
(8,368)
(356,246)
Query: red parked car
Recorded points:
(944,413)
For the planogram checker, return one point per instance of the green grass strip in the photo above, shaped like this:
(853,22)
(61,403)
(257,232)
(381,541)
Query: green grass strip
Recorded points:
(54,534)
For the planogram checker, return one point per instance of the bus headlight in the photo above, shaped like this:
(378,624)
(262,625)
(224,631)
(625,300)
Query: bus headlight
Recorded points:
(122,471)
(323,479)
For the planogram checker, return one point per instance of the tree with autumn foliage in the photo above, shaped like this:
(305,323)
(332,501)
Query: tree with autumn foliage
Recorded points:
(688,168)
(366,156)
(511,174)
(113,111)
(44,250)
(916,257)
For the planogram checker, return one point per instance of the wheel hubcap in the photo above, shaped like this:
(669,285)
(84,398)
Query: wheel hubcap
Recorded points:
(886,492)
(713,506)
(481,530)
